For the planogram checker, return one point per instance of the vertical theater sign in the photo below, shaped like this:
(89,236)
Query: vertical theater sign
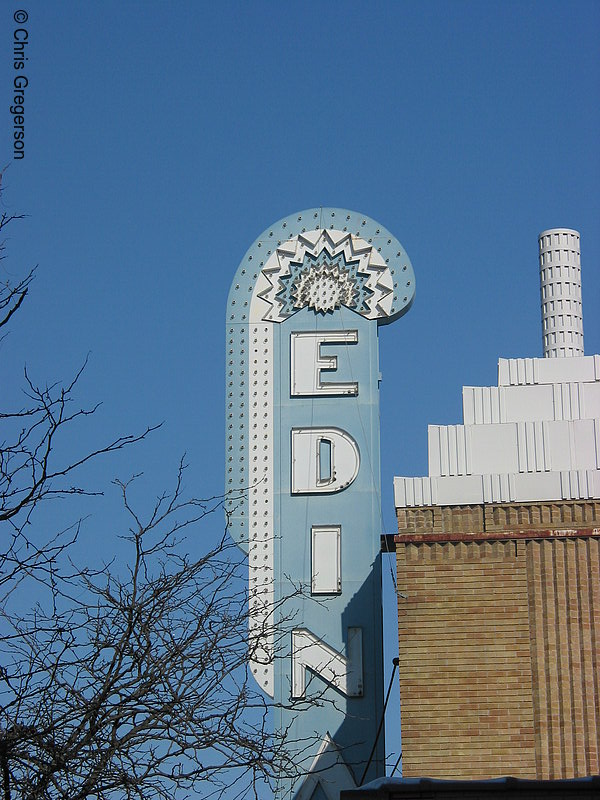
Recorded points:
(303,481)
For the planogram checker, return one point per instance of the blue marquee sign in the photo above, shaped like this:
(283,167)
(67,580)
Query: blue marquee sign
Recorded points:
(302,473)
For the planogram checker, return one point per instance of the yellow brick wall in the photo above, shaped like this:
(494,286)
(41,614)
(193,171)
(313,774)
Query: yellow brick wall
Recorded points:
(500,657)
(493,517)
(465,671)
(564,603)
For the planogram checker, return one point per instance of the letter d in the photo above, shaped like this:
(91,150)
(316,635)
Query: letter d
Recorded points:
(324,460)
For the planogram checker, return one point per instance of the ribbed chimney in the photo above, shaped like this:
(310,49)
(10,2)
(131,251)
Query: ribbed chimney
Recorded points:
(560,291)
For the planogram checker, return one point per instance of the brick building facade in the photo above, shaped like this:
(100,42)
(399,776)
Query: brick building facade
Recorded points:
(499,627)
(498,559)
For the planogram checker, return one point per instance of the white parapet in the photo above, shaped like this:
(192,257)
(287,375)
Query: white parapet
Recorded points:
(560,290)
(535,436)
(536,389)
(507,447)
(500,488)
(526,371)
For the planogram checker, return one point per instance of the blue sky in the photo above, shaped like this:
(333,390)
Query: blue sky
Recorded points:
(162,138)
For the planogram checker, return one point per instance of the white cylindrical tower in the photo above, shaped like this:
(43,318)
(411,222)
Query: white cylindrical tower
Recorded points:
(560,290)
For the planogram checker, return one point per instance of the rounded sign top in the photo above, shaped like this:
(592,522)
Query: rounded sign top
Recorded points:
(322,258)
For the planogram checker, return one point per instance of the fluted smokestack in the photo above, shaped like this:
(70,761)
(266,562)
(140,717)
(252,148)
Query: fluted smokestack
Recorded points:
(560,290)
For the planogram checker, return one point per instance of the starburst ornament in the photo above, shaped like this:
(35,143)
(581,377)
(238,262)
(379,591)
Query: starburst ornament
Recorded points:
(324,287)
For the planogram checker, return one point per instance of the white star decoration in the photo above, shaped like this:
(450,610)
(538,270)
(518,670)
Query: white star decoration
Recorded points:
(268,306)
(323,287)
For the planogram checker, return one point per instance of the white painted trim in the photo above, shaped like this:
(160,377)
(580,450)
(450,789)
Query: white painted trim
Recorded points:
(311,653)
(261,533)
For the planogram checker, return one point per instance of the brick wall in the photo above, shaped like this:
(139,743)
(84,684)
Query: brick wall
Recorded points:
(564,604)
(490,518)
(500,641)
(466,694)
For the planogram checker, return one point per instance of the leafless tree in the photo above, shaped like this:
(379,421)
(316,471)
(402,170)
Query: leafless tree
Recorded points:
(133,684)
(128,679)
(31,466)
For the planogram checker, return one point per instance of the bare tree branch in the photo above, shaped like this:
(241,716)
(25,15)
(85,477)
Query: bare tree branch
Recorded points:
(139,684)
(125,680)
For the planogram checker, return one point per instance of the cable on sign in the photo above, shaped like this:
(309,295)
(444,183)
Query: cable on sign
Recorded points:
(396,661)
(396,765)
(387,551)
